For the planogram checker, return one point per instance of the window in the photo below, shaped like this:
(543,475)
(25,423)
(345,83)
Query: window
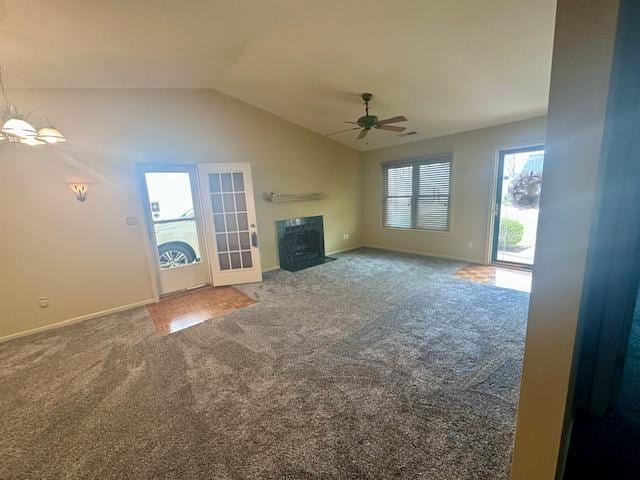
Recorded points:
(417,194)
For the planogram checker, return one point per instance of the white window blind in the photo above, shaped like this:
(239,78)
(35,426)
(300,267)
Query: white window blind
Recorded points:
(417,194)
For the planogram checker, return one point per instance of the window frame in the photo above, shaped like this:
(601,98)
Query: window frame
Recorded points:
(416,162)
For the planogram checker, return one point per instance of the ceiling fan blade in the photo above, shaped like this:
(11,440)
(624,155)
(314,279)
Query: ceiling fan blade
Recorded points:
(354,123)
(391,128)
(363,133)
(399,118)
(342,131)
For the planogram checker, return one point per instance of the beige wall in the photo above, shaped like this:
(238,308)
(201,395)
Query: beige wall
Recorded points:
(475,156)
(83,256)
(585,31)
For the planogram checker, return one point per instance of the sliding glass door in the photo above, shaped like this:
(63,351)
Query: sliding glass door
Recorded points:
(517,203)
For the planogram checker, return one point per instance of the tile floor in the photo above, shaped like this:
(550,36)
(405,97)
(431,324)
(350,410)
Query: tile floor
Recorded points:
(184,310)
(512,278)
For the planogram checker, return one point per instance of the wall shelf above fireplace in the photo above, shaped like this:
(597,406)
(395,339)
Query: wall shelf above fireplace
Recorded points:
(293,197)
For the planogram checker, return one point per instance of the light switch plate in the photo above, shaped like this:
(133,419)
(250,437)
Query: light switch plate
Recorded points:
(132,221)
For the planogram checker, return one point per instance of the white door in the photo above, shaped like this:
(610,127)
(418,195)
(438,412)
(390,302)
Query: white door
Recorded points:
(175,226)
(230,220)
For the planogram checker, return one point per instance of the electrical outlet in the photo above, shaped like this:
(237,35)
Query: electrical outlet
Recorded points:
(469,244)
(345,236)
(43,302)
(132,221)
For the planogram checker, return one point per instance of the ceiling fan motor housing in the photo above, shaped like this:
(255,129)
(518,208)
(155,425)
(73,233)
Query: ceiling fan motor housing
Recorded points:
(368,121)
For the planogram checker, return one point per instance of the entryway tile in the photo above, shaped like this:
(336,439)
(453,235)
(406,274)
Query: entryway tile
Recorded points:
(512,278)
(184,310)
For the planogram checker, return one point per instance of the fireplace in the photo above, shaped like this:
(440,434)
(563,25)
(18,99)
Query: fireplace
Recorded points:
(301,242)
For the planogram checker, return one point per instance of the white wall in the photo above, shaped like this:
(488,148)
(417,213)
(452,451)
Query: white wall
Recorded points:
(584,39)
(475,155)
(83,256)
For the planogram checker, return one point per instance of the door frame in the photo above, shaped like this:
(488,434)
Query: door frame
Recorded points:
(151,246)
(496,202)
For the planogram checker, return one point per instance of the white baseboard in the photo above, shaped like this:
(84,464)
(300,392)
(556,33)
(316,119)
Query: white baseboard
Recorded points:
(423,254)
(141,303)
(348,249)
(82,318)
(332,252)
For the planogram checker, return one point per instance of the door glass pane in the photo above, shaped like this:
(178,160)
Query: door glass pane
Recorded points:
(174,224)
(169,195)
(225,178)
(221,242)
(235,260)
(244,241)
(519,206)
(234,244)
(231,222)
(246,260)
(214,182)
(224,261)
(243,222)
(216,203)
(238,182)
(218,222)
(228,202)
(241,203)
(177,243)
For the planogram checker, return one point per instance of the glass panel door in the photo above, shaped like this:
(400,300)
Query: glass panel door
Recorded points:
(173,218)
(231,220)
(175,228)
(517,206)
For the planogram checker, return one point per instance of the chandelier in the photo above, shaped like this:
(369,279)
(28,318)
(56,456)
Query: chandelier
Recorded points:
(18,129)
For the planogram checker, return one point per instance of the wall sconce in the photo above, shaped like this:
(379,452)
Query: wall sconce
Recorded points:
(80,189)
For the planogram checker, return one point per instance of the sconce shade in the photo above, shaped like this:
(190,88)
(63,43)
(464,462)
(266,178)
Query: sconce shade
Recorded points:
(31,141)
(80,189)
(18,127)
(2,137)
(50,135)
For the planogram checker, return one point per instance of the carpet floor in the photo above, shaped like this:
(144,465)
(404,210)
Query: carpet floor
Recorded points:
(377,365)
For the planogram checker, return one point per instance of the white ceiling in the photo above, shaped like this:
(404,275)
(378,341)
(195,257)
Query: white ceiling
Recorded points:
(448,65)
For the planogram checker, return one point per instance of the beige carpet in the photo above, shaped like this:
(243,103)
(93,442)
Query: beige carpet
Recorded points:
(376,365)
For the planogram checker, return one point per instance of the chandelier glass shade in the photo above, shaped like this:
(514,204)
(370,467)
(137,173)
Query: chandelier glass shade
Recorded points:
(50,135)
(18,129)
(32,141)
(15,126)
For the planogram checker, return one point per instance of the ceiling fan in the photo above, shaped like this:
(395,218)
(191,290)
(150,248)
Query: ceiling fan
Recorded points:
(367,122)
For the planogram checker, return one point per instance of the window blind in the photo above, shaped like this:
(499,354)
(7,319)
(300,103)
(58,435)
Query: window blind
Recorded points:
(417,194)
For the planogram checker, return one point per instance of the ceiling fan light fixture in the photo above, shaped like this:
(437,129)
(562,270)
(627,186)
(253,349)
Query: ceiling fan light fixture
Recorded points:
(50,135)
(19,127)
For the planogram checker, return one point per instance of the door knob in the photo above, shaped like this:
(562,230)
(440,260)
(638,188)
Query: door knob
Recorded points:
(254,239)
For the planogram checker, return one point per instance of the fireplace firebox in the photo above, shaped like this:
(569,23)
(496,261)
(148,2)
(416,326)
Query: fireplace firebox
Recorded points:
(301,243)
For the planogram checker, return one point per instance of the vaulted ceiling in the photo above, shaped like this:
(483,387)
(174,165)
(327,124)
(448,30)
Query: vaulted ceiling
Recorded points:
(448,65)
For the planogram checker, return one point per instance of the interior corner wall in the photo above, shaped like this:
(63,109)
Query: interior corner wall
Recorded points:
(581,67)
(83,256)
(475,155)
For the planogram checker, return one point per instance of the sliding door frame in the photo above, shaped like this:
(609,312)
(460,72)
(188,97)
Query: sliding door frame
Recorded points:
(496,205)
